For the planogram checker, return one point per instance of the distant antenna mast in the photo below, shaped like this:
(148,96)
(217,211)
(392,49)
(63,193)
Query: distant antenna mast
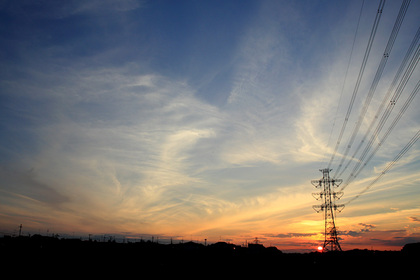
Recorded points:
(326,184)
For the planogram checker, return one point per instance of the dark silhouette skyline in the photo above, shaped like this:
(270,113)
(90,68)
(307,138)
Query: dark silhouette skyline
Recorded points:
(42,255)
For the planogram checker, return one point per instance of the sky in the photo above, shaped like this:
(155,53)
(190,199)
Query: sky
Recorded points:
(197,120)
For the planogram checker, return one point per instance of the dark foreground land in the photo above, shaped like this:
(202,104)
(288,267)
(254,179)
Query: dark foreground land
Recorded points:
(72,258)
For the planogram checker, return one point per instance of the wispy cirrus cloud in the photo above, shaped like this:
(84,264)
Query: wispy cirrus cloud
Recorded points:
(51,9)
(293,234)
(142,142)
(414,219)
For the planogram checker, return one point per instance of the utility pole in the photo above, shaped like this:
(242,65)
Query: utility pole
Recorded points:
(328,196)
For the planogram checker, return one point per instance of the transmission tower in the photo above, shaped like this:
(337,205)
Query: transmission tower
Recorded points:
(328,196)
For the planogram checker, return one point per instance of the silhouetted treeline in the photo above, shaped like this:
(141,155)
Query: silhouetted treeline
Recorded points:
(43,255)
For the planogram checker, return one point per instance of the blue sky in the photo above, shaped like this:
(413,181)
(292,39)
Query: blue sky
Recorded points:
(198,118)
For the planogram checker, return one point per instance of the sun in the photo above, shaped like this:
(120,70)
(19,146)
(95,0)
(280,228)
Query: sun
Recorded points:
(320,248)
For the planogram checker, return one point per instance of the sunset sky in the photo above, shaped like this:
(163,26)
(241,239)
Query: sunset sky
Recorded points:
(199,120)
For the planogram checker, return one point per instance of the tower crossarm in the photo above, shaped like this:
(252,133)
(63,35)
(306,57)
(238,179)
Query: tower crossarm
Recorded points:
(318,208)
(339,207)
(318,195)
(337,195)
(336,182)
(316,183)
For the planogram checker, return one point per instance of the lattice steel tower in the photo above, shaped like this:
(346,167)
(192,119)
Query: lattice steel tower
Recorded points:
(328,196)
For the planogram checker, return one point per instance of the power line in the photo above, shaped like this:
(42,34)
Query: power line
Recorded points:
(359,78)
(385,136)
(389,166)
(379,71)
(391,104)
(345,76)
(387,96)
